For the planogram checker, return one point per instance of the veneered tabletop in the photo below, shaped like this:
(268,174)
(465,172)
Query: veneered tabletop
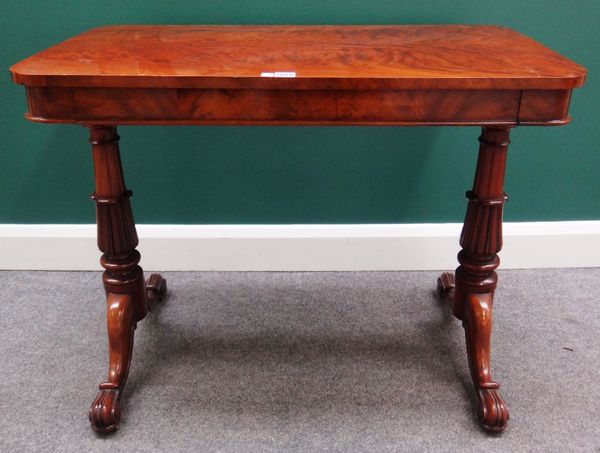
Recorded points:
(292,75)
(403,56)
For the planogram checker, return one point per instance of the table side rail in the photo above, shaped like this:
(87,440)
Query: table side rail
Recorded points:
(85,105)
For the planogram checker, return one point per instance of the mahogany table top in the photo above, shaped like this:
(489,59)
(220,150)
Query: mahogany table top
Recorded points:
(301,57)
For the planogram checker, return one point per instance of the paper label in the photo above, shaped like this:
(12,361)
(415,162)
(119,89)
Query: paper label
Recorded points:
(282,74)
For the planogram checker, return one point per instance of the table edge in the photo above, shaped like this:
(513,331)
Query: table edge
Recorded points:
(350,83)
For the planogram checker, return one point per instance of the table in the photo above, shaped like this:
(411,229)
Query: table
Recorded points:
(447,75)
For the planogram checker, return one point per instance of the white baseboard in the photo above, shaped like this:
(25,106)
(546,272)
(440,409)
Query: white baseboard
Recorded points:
(300,247)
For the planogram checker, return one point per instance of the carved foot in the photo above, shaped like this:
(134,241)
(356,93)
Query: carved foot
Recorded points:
(156,290)
(493,412)
(105,412)
(445,286)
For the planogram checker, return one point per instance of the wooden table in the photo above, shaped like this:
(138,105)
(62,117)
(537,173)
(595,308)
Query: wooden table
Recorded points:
(450,75)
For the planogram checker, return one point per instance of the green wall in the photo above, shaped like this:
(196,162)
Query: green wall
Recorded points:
(299,175)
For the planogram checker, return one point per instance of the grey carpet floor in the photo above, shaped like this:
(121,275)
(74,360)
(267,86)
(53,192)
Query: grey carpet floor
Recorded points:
(265,362)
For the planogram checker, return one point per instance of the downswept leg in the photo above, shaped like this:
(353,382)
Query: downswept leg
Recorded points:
(128,297)
(476,279)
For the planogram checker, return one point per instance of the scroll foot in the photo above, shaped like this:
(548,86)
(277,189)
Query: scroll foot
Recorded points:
(156,290)
(493,412)
(445,286)
(105,412)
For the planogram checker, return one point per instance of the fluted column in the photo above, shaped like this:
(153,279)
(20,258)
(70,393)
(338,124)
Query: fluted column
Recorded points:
(481,237)
(117,237)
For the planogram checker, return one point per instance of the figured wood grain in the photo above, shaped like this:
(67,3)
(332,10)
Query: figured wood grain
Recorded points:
(541,106)
(222,106)
(323,57)
(344,75)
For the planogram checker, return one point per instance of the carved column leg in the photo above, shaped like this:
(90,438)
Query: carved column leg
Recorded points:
(476,279)
(128,297)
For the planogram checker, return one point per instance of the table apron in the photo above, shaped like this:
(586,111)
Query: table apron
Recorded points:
(96,106)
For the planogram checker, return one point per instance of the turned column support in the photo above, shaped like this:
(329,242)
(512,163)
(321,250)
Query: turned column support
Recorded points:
(481,237)
(471,289)
(117,237)
(128,297)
